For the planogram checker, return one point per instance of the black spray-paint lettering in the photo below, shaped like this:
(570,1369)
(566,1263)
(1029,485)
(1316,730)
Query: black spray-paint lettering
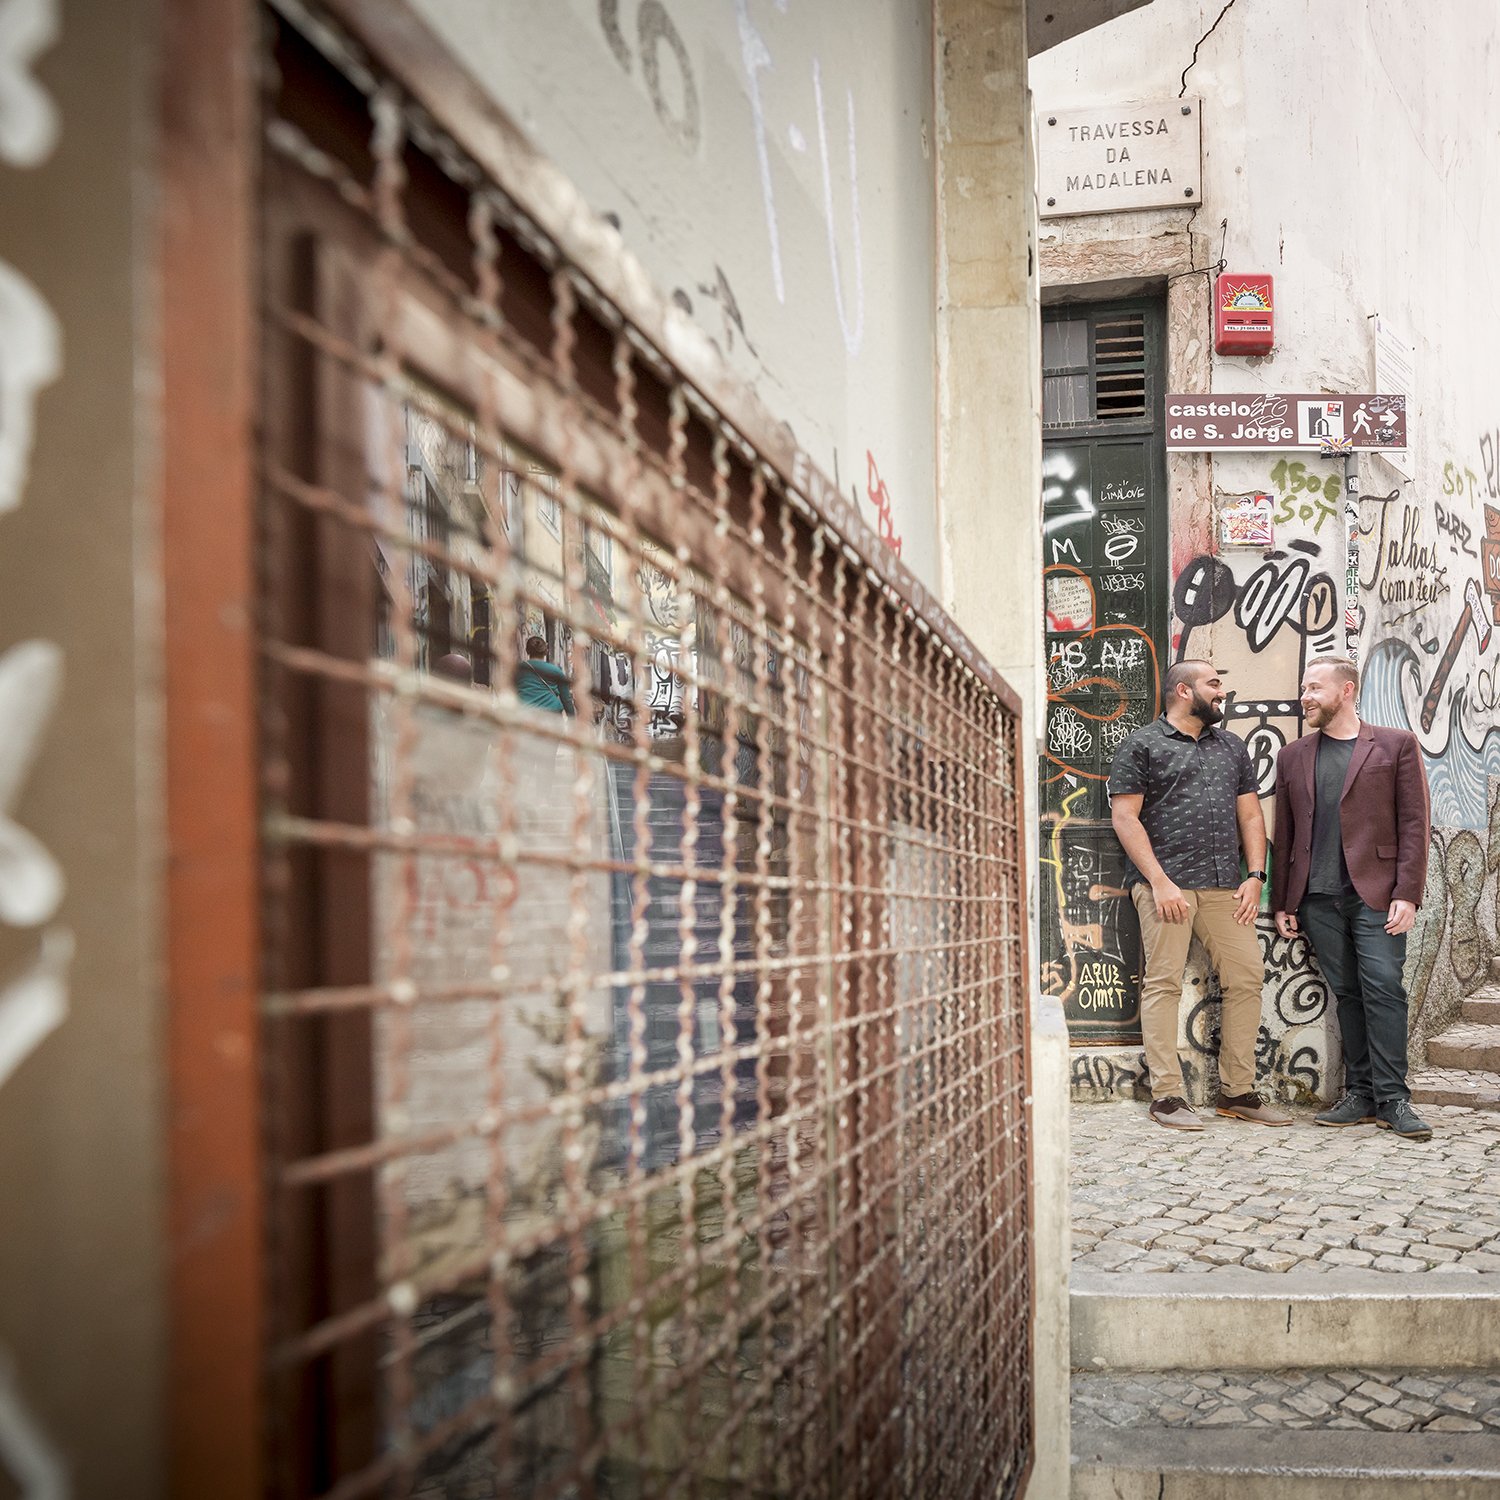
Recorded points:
(1281,591)
(1204,592)
(655,30)
(1453,526)
(1269,599)
(609,24)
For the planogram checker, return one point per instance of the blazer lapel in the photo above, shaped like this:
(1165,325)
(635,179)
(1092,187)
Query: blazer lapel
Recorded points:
(1363,744)
(1309,742)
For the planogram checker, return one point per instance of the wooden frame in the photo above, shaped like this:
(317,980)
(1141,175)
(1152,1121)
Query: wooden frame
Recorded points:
(208,114)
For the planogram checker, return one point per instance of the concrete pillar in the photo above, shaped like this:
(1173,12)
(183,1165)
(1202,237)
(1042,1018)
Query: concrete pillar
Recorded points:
(989,488)
(989,443)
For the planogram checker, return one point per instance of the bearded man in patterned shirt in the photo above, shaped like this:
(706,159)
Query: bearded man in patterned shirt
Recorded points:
(1184,803)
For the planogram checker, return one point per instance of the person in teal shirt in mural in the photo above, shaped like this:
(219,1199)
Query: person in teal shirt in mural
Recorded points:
(539,684)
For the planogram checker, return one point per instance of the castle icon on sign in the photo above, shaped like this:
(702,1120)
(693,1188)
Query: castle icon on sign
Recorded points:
(1320,421)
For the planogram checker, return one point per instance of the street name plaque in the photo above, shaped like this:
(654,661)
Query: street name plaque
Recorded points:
(1116,157)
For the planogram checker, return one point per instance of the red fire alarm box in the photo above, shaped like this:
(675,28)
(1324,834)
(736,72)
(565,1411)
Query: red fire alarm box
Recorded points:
(1244,320)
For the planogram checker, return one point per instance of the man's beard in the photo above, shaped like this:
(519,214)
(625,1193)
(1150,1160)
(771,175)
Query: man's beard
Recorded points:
(1205,712)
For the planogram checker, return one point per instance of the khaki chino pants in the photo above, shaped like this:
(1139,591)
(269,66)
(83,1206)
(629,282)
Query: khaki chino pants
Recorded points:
(1235,953)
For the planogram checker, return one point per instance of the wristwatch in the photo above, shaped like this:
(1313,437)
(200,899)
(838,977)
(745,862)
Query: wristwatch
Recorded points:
(1255,874)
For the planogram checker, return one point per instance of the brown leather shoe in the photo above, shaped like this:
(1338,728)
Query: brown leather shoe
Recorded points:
(1174,1112)
(1251,1107)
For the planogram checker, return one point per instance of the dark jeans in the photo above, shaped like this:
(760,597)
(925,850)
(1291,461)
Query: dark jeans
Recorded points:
(1362,963)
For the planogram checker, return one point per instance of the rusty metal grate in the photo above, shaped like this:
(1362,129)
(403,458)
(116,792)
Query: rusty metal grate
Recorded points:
(646,1085)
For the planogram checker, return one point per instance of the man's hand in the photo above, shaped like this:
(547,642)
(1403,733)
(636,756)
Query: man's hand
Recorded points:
(1286,923)
(1171,905)
(1402,917)
(1247,901)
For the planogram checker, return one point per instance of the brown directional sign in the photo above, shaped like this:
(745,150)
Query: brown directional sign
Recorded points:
(1489,558)
(1196,423)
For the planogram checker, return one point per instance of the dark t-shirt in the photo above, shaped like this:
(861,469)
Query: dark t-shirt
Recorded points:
(1329,874)
(1189,789)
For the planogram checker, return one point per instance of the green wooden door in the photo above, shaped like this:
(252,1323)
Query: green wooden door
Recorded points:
(1106,598)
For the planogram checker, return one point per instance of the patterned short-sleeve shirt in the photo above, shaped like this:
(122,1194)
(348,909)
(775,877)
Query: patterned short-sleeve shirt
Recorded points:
(1189,787)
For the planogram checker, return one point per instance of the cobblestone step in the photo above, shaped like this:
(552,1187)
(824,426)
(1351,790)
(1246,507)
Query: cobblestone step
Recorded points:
(1156,1463)
(1456,1086)
(1248,1320)
(1367,1400)
(1467,1045)
(1282,1273)
(1482,1006)
(1333,1434)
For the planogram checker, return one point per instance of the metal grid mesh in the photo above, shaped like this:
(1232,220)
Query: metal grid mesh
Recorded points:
(646,1083)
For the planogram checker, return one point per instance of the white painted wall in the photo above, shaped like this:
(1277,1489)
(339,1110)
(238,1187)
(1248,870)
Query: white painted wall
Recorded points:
(1351,146)
(770,162)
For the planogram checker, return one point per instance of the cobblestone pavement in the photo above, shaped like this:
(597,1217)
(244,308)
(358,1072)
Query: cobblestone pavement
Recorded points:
(1307,1198)
(1372,1400)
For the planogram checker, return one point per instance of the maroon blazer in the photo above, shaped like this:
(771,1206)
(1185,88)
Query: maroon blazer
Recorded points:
(1384,816)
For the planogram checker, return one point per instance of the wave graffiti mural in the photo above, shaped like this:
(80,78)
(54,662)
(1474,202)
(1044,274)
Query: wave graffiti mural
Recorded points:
(1430,589)
(1458,765)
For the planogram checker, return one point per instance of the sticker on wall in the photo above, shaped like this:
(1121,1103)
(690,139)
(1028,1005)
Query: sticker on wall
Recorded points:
(1247,522)
(1070,602)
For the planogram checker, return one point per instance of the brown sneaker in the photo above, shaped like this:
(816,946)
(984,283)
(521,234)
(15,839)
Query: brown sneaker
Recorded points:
(1251,1107)
(1174,1112)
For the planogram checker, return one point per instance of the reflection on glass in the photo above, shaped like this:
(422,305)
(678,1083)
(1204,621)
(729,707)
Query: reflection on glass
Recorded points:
(1065,400)
(1065,343)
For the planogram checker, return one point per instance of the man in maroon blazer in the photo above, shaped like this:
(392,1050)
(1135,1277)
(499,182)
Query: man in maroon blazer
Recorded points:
(1351,835)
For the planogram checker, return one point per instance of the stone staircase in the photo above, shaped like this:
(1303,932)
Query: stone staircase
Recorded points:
(1463,1062)
(1244,1386)
(1296,1314)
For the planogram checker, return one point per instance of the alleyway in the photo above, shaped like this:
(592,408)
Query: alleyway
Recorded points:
(573,579)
